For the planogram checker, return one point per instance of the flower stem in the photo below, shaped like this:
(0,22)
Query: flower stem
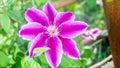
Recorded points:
(94,44)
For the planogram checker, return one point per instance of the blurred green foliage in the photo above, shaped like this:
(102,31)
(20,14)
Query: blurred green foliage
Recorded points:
(14,50)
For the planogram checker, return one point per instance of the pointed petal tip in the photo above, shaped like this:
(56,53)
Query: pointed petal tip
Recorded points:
(68,32)
(86,26)
(48,3)
(96,31)
(78,57)
(70,49)
(50,11)
(28,10)
(75,57)
(22,36)
(84,23)
(54,55)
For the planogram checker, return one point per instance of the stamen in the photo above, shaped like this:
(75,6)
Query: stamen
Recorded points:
(52,30)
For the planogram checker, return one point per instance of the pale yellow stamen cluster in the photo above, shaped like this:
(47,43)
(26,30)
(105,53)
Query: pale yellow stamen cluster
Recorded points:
(52,30)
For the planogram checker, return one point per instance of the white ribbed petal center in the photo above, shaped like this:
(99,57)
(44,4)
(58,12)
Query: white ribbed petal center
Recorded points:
(53,30)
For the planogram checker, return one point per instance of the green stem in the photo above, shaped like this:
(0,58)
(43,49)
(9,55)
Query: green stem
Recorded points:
(33,3)
(94,44)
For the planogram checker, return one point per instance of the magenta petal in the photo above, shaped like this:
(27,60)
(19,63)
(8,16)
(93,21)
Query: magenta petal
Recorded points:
(91,34)
(84,35)
(63,17)
(35,15)
(39,41)
(93,37)
(69,48)
(54,55)
(96,31)
(71,29)
(31,30)
(50,11)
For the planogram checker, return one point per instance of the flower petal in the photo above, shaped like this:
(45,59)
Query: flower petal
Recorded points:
(54,55)
(35,15)
(63,17)
(93,34)
(96,31)
(92,37)
(39,41)
(31,30)
(89,36)
(50,11)
(69,48)
(84,35)
(71,29)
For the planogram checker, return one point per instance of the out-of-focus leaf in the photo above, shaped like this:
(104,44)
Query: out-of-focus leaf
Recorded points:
(40,50)
(83,62)
(26,5)
(18,57)
(15,15)
(43,59)
(40,2)
(5,22)
(69,63)
(91,3)
(11,59)
(87,52)
(29,63)
(109,0)
(4,60)
(35,65)
(9,2)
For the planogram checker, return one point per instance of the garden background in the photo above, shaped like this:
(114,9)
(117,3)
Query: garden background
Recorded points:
(14,50)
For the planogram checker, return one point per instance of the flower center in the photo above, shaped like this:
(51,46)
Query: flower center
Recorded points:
(88,32)
(52,30)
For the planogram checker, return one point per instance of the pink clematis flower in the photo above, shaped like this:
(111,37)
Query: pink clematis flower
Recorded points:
(91,34)
(54,30)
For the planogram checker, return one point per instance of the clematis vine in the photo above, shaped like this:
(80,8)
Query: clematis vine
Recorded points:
(91,34)
(52,29)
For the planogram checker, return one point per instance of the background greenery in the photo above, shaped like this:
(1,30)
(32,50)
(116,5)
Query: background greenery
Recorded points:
(14,50)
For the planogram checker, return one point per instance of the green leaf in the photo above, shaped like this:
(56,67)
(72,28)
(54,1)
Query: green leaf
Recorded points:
(15,15)
(88,52)
(35,65)
(67,62)
(5,22)
(40,3)
(29,63)
(4,60)
(109,0)
(91,3)
(9,2)
(83,62)
(26,5)
(40,50)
